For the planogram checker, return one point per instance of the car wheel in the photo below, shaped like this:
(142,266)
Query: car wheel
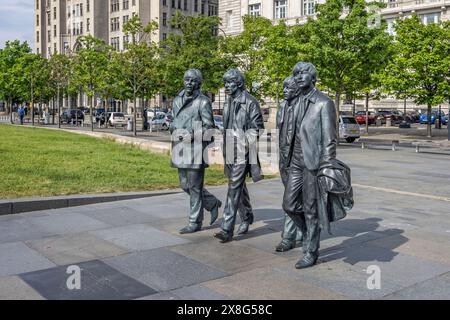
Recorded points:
(350,140)
(164,126)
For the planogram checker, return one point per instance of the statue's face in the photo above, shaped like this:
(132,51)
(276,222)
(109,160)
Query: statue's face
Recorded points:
(304,79)
(231,87)
(290,91)
(191,83)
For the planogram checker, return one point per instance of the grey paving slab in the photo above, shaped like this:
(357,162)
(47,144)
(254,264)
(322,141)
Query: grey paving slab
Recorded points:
(340,278)
(198,292)
(437,288)
(230,257)
(120,216)
(14,288)
(75,248)
(17,258)
(98,282)
(397,268)
(163,269)
(138,237)
(20,229)
(267,283)
(67,223)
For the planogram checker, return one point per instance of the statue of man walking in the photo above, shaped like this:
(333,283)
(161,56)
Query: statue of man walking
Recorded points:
(193,117)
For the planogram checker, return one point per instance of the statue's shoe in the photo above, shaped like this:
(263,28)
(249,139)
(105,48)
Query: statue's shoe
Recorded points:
(215,212)
(243,228)
(286,245)
(224,236)
(191,228)
(307,261)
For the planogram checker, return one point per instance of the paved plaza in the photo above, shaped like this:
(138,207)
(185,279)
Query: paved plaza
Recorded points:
(132,250)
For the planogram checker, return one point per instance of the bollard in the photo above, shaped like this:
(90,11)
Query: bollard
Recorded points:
(394,142)
(417,148)
(363,146)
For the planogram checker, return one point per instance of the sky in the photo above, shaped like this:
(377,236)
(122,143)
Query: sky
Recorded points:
(16,21)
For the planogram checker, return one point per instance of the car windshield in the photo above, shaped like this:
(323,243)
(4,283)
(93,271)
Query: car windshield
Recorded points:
(218,118)
(118,115)
(349,120)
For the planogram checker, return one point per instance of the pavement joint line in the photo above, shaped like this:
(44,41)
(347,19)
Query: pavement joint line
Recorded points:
(406,193)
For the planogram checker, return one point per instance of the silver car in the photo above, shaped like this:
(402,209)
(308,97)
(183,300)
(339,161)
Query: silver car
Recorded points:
(348,128)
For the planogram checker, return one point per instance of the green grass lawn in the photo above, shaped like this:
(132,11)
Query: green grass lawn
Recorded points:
(41,162)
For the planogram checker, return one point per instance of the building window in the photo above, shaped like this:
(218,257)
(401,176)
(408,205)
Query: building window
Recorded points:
(115,43)
(48,18)
(164,36)
(203,7)
(185,5)
(54,13)
(126,39)
(179,4)
(173,3)
(254,10)
(164,19)
(229,20)
(88,5)
(54,48)
(212,10)
(309,7)
(115,5)
(280,9)
(196,5)
(37,36)
(125,19)
(115,24)
(49,36)
(428,18)
(126,4)
(37,4)
(88,24)
(54,31)
(165,3)
(37,20)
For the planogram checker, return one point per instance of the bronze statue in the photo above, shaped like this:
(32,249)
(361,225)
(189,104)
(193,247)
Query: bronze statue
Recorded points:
(193,116)
(317,182)
(242,121)
(291,235)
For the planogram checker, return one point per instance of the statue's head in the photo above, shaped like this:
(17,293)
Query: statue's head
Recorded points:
(234,81)
(290,88)
(192,80)
(305,74)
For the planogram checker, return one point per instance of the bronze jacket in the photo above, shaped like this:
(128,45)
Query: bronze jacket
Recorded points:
(249,119)
(192,117)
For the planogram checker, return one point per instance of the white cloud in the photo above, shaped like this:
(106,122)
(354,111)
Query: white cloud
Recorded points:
(16,21)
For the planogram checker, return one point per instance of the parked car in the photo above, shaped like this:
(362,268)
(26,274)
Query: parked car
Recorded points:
(218,120)
(395,116)
(160,121)
(117,119)
(412,116)
(71,115)
(434,115)
(360,117)
(348,128)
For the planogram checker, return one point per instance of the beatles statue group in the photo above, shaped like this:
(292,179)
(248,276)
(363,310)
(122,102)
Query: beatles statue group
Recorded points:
(317,186)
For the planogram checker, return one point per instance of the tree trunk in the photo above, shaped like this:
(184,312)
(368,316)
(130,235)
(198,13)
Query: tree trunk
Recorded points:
(90,113)
(11,111)
(134,114)
(59,111)
(367,113)
(429,122)
(336,103)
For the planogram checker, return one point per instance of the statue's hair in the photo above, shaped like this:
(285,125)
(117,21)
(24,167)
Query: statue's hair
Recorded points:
(197,73)
(308,66)
(288,81)
(236,75)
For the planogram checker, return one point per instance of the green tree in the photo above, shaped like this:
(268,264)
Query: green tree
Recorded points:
(420,66)
(60,71)
(137,66)
(247,52)
(196,45)
(11,86)
(90,66)
(343,43)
